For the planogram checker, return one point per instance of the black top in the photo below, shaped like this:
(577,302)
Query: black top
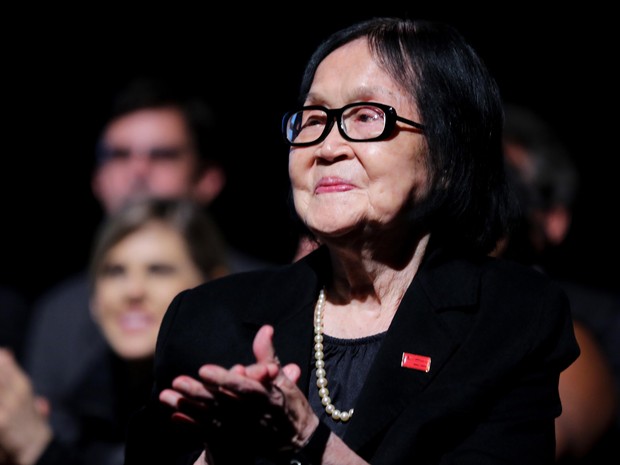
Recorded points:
(347,362)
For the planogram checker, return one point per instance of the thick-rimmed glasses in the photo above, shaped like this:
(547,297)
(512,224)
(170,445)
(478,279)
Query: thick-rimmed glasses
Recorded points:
(357,122)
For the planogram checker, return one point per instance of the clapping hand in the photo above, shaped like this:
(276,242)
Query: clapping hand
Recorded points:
(260,404)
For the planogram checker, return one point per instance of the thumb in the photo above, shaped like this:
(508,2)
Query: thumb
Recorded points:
(266,353)
(263,345)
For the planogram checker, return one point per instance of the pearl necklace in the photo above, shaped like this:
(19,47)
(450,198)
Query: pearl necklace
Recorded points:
(321,380)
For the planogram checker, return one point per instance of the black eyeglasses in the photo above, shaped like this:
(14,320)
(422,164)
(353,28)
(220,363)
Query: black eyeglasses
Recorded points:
(357,122)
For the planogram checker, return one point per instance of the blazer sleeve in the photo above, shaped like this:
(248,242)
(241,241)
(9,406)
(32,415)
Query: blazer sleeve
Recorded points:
(152,437)
(516,420)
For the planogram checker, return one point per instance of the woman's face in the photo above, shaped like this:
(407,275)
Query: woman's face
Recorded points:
(139,278)
(343,187)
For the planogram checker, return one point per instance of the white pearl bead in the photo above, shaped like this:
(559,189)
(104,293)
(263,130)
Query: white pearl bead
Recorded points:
(321,375)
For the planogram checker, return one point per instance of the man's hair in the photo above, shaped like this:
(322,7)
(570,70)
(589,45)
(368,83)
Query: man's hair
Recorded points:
(143,93)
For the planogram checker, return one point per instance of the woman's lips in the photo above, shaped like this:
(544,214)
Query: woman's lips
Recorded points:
(135,321)
(332,184)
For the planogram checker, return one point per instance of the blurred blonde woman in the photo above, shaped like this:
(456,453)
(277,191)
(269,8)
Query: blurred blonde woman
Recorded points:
(143,256)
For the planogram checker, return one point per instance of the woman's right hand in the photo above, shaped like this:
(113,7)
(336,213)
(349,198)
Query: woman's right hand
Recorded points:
(263,397)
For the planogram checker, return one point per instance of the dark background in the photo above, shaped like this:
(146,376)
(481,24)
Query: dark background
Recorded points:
(60,69)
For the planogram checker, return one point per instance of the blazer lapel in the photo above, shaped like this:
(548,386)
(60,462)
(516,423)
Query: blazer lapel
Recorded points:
(294,333)
(294,340)
(422,329)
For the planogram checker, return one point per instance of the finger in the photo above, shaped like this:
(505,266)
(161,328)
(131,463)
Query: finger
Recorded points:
(188,410)
(214,374)
(261,372)
(239,369)
(183,418)
(292,372)
(170,397)
(193,388)
(232,383)
(263,345)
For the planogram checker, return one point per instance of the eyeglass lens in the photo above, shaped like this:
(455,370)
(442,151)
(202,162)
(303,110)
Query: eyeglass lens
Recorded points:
(359,122)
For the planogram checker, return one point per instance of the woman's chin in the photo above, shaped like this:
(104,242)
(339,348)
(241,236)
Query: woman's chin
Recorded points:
(330,232)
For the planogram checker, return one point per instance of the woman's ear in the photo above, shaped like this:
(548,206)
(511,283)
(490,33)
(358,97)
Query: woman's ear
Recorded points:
(557,223)
(210,184)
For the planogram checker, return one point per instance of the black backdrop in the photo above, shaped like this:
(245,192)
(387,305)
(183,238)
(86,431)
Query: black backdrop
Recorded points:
(60,69)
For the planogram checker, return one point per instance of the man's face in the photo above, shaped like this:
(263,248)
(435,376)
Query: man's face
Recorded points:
(145,153)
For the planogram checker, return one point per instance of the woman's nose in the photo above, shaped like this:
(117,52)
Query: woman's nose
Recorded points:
(135,286)
(334,145)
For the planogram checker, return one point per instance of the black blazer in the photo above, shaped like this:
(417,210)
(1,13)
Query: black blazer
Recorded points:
(498,334)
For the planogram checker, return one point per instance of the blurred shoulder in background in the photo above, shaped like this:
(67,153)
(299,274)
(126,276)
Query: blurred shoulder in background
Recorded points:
(547,184)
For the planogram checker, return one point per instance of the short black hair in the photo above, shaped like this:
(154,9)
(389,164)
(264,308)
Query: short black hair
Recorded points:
(153,92)
(471,206)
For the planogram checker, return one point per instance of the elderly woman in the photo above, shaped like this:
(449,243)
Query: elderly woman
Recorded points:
(398,340)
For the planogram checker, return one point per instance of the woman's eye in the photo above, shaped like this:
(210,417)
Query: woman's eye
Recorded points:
(111,271)
(161,269)
(314,121)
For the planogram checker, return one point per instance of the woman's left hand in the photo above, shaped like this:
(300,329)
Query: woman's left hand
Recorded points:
(262,398)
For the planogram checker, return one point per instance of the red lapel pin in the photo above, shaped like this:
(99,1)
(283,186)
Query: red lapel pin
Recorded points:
(416,362)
